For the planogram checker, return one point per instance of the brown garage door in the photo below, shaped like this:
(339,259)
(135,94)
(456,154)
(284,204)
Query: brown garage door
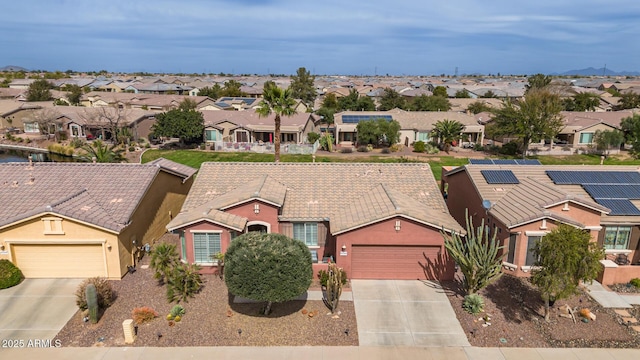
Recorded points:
(59,260)
(391,262)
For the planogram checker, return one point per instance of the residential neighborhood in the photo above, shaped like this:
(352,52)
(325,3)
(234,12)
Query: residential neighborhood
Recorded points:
(424,193)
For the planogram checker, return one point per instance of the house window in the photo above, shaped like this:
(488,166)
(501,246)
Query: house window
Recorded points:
(183,245)
(531,243)
(423,136)
(52,226)
(512,248)
(204,246)
(314,256)
(306,232)
(31,127)
(586,138)
(617,237)
(211,135)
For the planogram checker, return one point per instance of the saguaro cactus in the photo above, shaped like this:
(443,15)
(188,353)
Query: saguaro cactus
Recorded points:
(92,302)
(334,287)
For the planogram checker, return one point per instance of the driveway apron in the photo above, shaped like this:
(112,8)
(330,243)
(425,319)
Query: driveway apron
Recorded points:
(37,308)
(405,313)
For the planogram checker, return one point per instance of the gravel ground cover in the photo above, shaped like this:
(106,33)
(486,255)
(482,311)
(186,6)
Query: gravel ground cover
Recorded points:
(515,312)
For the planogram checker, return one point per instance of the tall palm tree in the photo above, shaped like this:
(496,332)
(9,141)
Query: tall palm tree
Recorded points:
(279,102)
(447,131)
(102,153)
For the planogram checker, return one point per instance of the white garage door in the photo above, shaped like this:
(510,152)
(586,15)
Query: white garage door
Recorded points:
(59,261)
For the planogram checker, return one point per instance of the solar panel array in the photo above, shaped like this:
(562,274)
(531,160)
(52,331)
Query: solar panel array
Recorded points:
(504,162)
(593,177)
(613,189)
(354,119)
(499,177)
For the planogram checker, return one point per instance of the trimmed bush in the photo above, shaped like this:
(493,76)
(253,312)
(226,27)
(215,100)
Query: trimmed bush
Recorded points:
(143,314)
(419,146)
(363,148)
(10,275)
(103,289)
(635,282)
(473,304)
(346,150)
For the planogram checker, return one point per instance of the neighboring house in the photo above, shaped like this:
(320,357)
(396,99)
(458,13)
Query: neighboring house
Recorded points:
(581,127)
(249,127)
(414,125)
(376,221)
(522,203)
(77,220)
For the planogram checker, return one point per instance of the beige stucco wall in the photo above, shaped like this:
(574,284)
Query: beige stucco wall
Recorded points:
(593,129)
(33,231)
(163,200)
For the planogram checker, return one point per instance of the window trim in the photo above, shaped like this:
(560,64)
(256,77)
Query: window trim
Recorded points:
(314,242)
(212,262)
(615,240)
(586,133)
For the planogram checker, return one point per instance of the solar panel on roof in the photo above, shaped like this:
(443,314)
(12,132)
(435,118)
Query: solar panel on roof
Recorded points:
(528,162)
(499,177)
(613,191)
(561,177)
(354,119)
(619,206)
(481,161)
(504,162)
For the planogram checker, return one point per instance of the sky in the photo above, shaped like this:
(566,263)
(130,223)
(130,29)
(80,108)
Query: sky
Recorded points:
(345,37)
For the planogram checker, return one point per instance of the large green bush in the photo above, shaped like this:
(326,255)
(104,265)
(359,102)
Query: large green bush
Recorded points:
(10,275)
(267,267)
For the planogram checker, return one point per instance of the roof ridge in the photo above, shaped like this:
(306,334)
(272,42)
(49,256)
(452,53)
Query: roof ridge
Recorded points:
(391,198)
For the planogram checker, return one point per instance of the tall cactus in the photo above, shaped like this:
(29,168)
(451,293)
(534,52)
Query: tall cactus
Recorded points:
(92,302)
(334,287)
(478,256)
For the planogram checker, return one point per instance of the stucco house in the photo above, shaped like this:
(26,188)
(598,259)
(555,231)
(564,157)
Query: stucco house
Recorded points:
(377,221)
(76,220)
(414,125)
(522,203)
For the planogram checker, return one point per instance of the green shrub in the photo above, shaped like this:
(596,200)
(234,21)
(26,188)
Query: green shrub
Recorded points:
(312,137)
(132,148)
(419,146)
(395,147)
(10,275)
(76,143)
(386,151)
(635,282)
(363,148)
(103,289)
(346,150)
(473,304)
(177,310)
(184,282)
(323,275)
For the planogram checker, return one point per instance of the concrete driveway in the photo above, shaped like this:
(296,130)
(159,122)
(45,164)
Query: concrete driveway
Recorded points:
(37,308)
(405,313)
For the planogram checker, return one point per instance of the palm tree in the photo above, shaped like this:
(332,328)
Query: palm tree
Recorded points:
(163,259)
(279,102)
(447,131)
(102,153)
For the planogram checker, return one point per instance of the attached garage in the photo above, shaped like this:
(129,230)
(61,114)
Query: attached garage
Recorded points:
(392,262)
(59,260)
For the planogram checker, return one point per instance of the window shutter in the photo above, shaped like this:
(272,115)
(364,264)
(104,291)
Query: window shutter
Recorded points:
(287,229)
(322,234)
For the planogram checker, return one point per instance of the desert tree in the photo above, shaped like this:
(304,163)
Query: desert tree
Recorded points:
(267,267)
(164,258)
(279,102)
(607,140)
(564,257)
(391,99)
(108,119)
(101,152)
(447,131)
(185,123)
(532,119)
(537,82)
(39,90)
(631,127)
(48,120)
(302,86)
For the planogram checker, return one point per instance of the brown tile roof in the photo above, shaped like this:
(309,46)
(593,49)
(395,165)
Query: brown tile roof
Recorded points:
(320,191)
(537,190)
(105,195)
(183,171)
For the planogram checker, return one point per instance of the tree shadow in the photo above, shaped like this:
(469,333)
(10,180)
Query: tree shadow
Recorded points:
(442,269)
(515,299)
(256,308)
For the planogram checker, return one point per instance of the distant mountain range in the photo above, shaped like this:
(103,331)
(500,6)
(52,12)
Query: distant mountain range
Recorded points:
(598,72)
(13,68)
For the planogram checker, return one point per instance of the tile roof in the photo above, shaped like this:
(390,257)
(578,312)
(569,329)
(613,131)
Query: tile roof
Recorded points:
(537,190)
(322,191)
(104,195)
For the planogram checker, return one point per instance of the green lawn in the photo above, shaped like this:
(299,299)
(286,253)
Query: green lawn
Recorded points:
(195,158)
